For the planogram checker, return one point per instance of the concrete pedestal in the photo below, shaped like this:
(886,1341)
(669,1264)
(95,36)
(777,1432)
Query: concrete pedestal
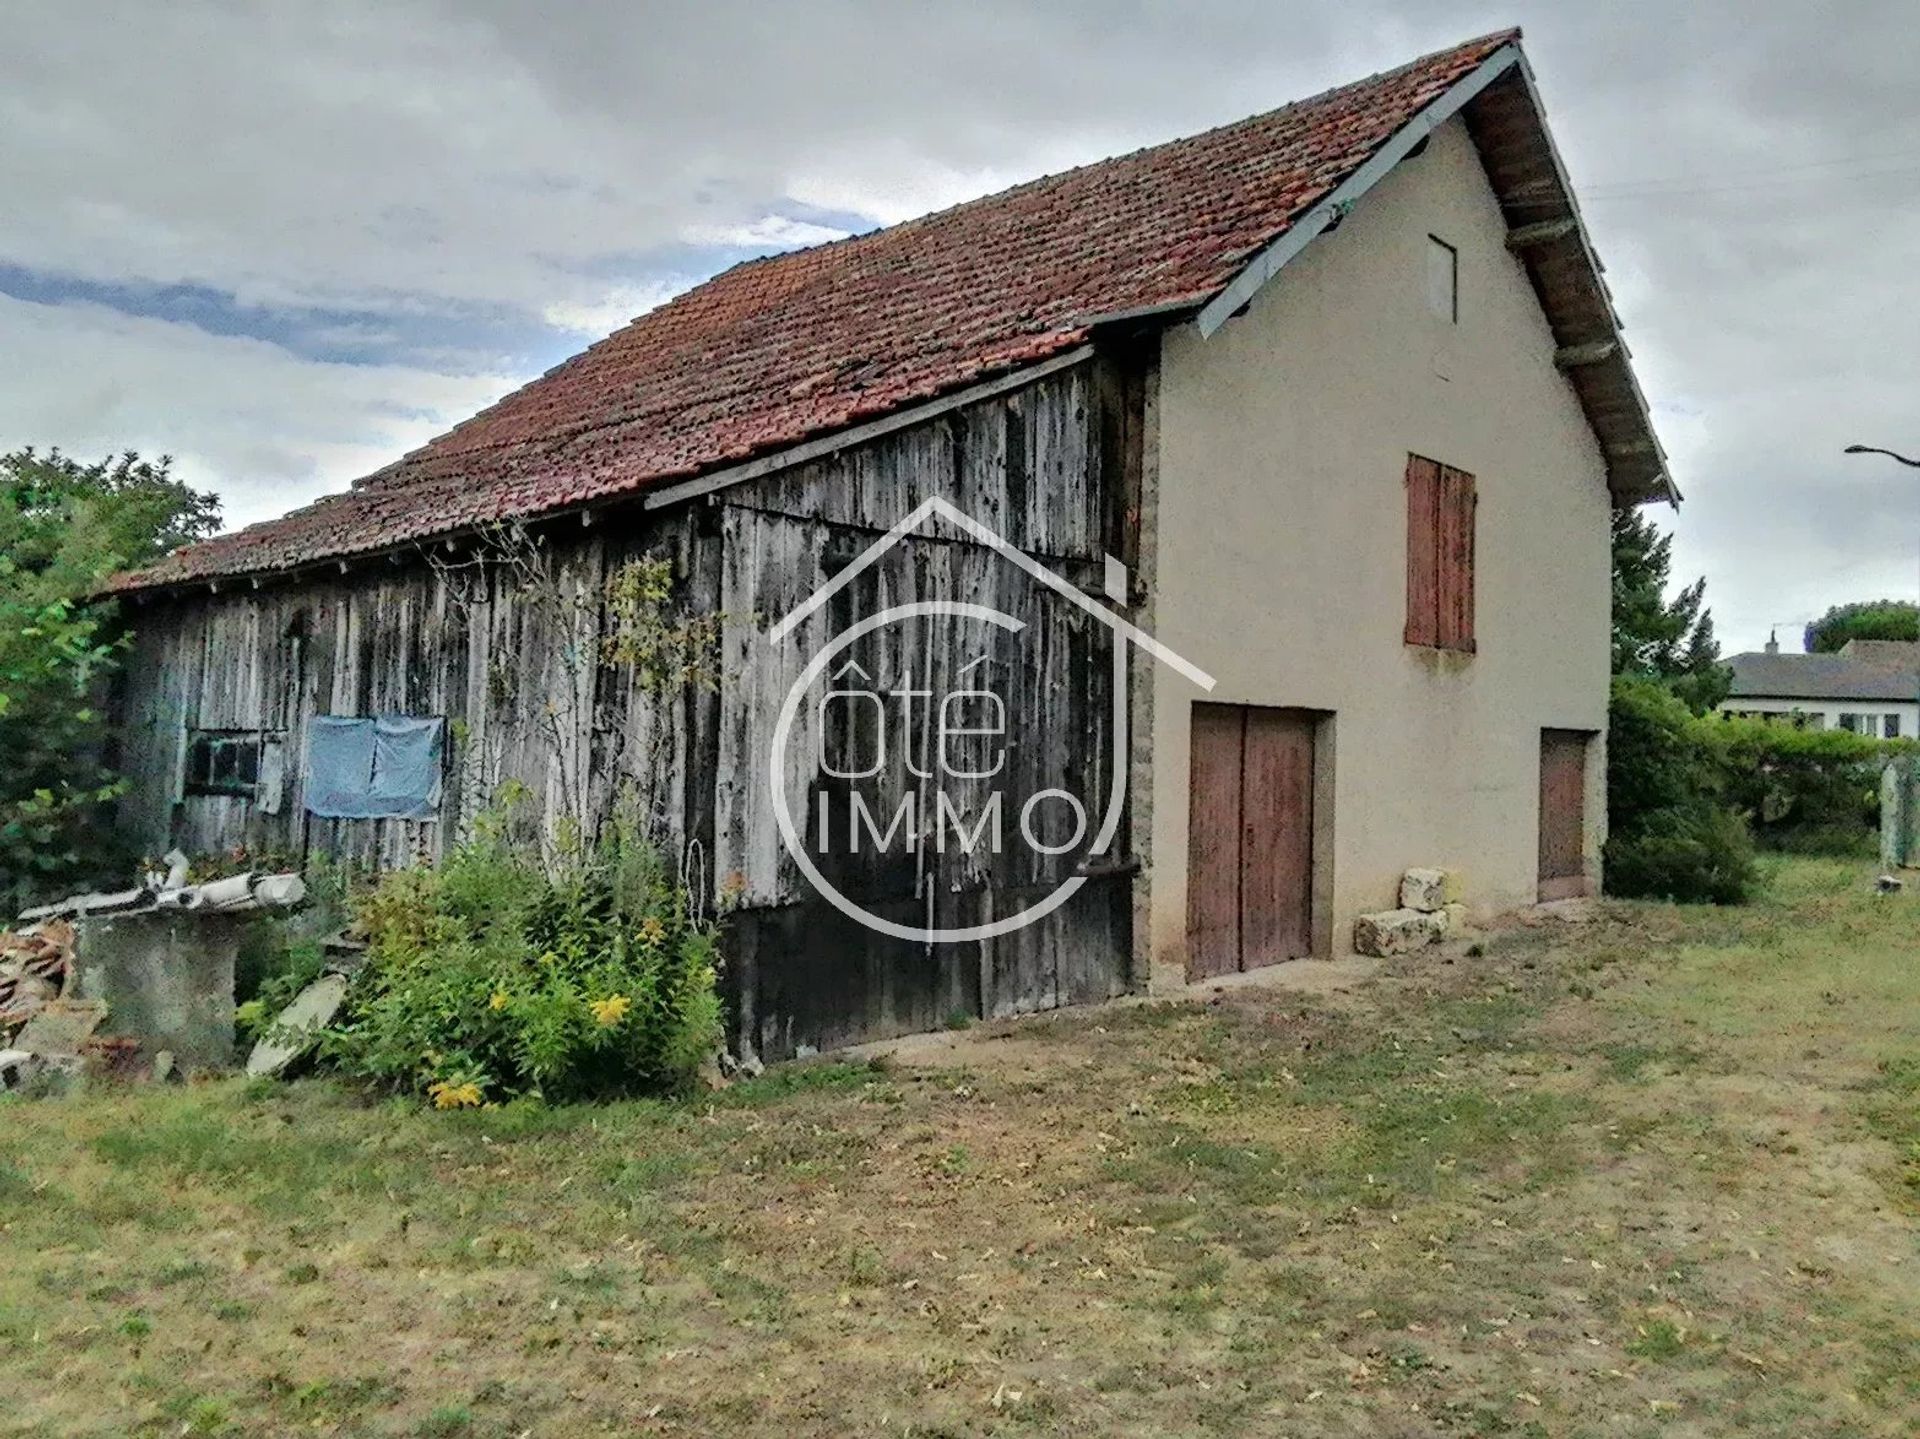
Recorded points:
(166,977)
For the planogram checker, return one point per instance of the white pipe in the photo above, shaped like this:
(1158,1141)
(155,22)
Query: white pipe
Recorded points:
(279,891)
(233,892)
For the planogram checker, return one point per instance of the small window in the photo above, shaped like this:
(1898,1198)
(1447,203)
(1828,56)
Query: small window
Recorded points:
(1890,727)
(1441,507)
(1851,723)
(223,761)
(1443,280)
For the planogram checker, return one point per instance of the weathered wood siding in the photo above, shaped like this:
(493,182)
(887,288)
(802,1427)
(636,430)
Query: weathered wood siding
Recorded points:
(1050,467)
(452,639)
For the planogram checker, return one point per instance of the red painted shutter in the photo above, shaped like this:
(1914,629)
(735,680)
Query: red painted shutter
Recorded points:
(1423,551)
(1455,583)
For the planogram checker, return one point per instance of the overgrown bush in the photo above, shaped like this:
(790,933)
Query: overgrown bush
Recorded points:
(1808,791)
(1674,831)
(493,975)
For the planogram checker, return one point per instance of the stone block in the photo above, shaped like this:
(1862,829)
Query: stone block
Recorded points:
(1397,931)
(1424,889)
(166,978)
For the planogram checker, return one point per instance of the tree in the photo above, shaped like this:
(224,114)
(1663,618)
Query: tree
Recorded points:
(1670,640)
(1863,620)
(64,528)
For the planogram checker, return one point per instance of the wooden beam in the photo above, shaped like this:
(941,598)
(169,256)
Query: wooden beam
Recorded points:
(1544,232)
(1572,357)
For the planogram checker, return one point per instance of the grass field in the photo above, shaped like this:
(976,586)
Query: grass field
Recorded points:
(1654,1175)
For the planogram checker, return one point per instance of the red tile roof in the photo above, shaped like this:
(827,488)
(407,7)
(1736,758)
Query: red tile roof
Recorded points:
(779,350)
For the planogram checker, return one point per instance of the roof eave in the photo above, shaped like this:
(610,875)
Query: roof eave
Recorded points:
(1546,230)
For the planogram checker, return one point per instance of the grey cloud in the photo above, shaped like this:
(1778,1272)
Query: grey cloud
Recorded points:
(500,154)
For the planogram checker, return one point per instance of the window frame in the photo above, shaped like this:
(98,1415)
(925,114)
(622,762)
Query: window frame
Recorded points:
(200,780)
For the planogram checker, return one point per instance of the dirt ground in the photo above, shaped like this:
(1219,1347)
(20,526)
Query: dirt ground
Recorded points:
(1657,1174)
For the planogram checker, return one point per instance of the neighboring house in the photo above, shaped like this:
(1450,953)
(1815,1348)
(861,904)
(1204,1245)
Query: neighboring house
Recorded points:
(1871,687)
(1331,401)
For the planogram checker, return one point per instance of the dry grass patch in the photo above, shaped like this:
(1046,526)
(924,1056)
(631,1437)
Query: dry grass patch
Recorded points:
(1648,1176)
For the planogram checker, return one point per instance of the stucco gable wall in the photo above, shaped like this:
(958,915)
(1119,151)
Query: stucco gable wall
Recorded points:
(1281,445)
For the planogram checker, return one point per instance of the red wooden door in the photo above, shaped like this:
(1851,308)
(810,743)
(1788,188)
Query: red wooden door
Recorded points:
(1249,839)
(1563,813)
(1213,841)
(1276,846)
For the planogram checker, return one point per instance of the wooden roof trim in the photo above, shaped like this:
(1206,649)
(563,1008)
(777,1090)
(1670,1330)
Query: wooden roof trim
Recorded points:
(1344,196)
(1609,391)
(1664,487)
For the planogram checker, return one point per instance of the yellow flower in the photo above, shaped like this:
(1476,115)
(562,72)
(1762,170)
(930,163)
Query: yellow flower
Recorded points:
(652,931)
(498,1002)
(611,1010)
(448,1095)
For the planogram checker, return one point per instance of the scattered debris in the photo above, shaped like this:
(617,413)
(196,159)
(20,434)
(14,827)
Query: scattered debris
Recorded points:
(34,964)
(53,1042)
(61,1027)
(296,1029)
(112,1056)
(145,959)
(1889,884)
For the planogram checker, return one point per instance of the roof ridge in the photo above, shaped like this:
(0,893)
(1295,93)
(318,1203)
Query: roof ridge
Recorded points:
(780,349)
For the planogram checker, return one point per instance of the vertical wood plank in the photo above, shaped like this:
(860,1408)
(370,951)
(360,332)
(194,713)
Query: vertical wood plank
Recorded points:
(1213,840)
(1455,581)
(1423,551)
(1276,852)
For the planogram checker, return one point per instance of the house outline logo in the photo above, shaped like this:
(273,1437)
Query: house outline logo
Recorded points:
(1125,633)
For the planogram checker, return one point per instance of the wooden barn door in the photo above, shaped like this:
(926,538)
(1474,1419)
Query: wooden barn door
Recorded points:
(1563,813)
(1213,840)
(1250,839)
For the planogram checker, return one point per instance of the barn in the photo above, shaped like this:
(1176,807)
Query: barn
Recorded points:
(1110,583)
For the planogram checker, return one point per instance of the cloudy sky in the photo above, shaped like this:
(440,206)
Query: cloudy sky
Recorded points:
(286,243)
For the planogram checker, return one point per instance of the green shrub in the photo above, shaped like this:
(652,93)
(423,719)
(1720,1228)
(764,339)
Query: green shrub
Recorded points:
(492,976)
(1695,852)
(1674,832)
(1808,791)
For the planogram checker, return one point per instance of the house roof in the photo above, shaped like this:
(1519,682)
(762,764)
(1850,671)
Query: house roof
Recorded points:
(1861,670)
(783,350)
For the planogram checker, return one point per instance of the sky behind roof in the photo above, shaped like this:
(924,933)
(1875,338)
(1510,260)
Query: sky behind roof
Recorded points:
(287,244)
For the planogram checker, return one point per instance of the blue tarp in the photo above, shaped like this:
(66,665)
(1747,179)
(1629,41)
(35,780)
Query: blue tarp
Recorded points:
(386,768)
